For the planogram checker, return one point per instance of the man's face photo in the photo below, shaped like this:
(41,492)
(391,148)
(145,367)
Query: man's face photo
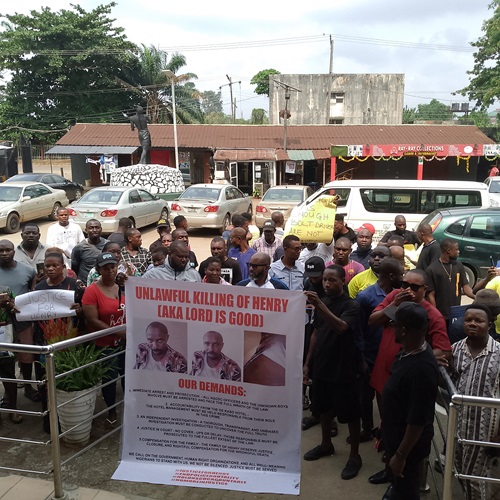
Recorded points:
(157,340)
(213,344)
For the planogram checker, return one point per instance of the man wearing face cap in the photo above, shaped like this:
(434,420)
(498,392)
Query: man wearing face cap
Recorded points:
(268,242)
(407,409)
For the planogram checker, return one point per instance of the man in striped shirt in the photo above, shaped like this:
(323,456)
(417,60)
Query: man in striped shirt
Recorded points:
(268,242)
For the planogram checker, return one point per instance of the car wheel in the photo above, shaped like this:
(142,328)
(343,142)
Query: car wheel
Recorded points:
(55,208)
(471,277)
(250,209)
(225,223)
(13,224)
(78,194)
(164,213)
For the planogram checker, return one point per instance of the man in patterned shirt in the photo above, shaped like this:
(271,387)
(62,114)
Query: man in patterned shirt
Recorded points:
(268,242)
(156,354)
(134,253)
(212,362)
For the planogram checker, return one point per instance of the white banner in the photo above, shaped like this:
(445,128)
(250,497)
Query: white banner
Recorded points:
(45,304)
(213,386)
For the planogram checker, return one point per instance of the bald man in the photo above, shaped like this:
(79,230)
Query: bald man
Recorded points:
(212,362)
(430,251)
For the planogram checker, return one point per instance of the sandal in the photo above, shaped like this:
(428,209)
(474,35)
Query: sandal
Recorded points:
(15,418)
(308,422)
(32,394)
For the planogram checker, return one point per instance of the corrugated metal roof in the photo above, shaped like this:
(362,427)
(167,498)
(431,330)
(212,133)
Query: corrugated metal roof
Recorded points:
(314,137)
(245,154)
(91,150)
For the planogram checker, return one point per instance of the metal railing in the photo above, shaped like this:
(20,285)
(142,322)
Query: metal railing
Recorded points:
(48,351)
(453,437)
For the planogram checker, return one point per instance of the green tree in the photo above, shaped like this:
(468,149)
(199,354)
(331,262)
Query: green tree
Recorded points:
(261,79)
(154,89)
(434,111)
(59,67)
(409,114)
(479,118)
(484,84)
(258,116)
(211,102)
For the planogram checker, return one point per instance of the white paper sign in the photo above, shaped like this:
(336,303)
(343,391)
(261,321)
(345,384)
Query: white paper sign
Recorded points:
(233,426)
(45,304)
(6,334)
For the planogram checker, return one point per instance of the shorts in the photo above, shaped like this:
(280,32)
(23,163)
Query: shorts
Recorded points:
(340,399)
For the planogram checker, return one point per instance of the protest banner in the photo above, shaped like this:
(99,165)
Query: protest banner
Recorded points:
(45,304)
(213,386)
(313,222)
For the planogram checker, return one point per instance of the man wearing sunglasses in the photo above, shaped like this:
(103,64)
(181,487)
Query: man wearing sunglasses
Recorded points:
(413,288)
(258,271)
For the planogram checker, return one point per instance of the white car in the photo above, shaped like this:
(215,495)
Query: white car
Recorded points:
(493,184)
(25,201)
(108,204)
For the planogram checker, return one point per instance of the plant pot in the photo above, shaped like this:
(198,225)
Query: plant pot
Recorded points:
(75,412)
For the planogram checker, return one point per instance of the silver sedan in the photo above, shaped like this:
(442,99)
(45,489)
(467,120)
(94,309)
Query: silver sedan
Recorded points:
(25,201)
(110,203)
(210,205)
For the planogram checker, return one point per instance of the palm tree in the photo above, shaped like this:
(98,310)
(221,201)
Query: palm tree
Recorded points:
(155,89)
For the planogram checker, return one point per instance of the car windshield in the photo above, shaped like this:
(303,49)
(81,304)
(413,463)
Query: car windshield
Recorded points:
(10,193)
(291,195)
(200,193)
(106,197)
(495,187)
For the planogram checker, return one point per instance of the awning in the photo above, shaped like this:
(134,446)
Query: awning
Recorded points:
(91,150)
(300,154)
(245,155)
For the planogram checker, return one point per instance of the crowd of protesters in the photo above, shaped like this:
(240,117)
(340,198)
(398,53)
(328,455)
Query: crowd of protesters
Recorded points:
(379,323)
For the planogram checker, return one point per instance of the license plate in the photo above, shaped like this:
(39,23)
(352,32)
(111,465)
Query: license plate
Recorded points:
(88,215)
(190,209)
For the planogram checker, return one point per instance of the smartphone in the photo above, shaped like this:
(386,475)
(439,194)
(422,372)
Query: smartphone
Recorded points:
(40,268)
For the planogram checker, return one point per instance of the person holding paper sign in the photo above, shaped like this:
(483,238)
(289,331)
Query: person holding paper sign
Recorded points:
(54,330)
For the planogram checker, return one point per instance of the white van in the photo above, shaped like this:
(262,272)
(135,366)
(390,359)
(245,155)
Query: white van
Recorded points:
(379,201)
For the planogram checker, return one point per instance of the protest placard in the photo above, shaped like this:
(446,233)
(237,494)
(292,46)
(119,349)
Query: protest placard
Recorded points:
(213,386)
(45,304)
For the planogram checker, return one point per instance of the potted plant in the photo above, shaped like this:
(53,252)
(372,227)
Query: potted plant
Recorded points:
(256,193)
(77,391)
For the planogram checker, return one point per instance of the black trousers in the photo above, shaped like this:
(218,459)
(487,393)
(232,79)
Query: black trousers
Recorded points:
(408,487)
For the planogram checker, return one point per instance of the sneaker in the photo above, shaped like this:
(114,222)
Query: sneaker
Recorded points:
(352,468)
(318,452)
(306,402)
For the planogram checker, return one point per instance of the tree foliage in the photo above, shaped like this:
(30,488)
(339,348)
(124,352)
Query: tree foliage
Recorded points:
(434,111)
(259,116)
(211,102)
(409,115)
(62,66)
(261,79)
(478,118)
(484,84)
(153,88)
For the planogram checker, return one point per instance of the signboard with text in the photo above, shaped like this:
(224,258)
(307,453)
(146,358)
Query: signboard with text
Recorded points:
(213,386)
(414,150)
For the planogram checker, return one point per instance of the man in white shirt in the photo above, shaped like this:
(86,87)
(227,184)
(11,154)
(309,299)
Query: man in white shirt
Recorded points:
(64,234)
(258,271)
(212,362)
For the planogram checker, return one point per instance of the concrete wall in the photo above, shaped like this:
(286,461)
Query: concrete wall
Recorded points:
(368,98)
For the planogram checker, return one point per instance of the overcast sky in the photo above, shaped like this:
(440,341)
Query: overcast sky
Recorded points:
(369,37)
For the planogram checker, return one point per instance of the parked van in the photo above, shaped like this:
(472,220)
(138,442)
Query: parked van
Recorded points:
(379,201)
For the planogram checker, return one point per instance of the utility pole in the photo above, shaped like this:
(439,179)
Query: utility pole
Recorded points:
(331,55)
(285,112)
(233,104)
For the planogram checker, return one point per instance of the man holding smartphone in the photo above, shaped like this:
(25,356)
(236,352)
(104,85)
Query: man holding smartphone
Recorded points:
(30,251)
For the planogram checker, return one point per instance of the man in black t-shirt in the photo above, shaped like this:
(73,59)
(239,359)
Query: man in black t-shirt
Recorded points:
(407,409)
(333,353)
(230,269)
(409,237)
(430,251)
(447,279)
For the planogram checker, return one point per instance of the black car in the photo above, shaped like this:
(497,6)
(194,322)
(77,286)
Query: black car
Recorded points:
(477,232)
(74,191)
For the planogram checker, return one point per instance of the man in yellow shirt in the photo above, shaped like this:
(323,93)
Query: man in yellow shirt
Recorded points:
(370,276)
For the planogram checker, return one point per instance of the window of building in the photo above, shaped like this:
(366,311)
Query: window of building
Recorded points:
(336,121)
(337,97)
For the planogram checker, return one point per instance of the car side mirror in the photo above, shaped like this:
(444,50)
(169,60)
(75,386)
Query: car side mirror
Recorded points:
(26,198)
